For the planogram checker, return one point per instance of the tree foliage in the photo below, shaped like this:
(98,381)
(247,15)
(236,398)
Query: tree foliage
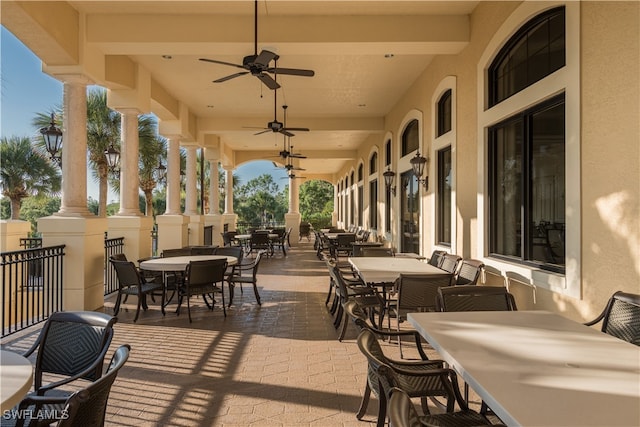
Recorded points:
(257,201)
(316,203)
(25,172)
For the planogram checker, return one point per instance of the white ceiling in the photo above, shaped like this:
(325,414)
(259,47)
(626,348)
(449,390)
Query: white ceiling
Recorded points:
(344,42)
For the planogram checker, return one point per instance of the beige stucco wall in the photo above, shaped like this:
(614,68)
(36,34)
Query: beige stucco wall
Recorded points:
(610,154)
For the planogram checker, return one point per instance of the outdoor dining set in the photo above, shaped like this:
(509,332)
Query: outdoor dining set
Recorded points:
(509,358)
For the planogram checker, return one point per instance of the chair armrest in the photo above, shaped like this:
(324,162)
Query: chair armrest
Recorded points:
(596,320)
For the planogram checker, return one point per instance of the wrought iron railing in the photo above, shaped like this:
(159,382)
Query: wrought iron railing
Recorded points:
(111,247)
(31,286)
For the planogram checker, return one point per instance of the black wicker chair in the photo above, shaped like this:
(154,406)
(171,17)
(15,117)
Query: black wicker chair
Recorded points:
(84,408)
(131,282)
(621,317)
(469,272)
(246,273)
(202,278)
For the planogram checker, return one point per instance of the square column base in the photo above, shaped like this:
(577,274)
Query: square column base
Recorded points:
(196,230)
(217,221)
(172,231)
(136,231)
(83,272)
(232,220)
(11,231)
(292,220)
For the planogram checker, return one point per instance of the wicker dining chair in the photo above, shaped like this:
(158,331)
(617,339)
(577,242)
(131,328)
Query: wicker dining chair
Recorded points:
(450,263)
(84,408)
(202,278)
(425,378)
(469,272)
(246,273)
(131,282)
(621,317)
(437,257)
(72,346)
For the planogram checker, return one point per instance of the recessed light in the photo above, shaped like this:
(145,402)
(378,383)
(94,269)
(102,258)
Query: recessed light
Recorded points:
(167,57)
(209,106)
(362,105)
(388,55)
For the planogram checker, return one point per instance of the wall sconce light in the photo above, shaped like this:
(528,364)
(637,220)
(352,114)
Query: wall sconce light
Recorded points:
(389,177)
(52,136)
(113,159)
(160,171)
(418,164)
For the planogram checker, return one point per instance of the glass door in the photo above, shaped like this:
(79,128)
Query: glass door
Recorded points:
(410,213)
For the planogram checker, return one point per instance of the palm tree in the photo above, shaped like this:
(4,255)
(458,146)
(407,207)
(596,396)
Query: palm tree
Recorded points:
(25,172)
(152,149)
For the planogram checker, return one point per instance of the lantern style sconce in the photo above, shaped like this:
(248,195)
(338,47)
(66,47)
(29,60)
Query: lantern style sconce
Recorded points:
(161,171)
(418,164)
(389,177)
(52,136)
(113,159)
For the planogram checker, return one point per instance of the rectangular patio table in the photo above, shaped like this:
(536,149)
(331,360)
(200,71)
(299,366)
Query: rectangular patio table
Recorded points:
(388,269)
(536,368)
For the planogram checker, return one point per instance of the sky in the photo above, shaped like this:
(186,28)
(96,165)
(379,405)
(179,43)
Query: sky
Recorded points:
(25,91)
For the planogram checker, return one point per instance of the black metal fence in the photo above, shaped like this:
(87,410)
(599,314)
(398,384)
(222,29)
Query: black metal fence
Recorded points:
(111,247)
(31,285)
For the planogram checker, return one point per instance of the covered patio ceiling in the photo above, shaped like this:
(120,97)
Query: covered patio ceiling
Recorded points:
(365,54)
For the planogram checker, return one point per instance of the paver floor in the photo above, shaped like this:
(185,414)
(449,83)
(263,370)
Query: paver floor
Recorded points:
(279,364)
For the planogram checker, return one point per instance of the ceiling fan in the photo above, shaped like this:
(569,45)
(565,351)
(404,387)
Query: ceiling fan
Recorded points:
(289,166)
(258,64)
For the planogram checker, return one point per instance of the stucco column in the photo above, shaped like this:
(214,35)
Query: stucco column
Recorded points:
(173,177)
(214,191)
(129,153)
(228,201)
(292,218)
(334,214)
(74,160)
(191,199)
(294,196)
(73,225)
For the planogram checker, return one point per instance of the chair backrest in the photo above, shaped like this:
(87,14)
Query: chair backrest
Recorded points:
(450,263)
(118,257)
(259,238)
(89,332)
(206,272)
(166,253)
(376,251)
(127,273)
(418,292)
(621,317)
(227,237)
(345,240)
(436,258)
(469,272)
(234,251)
(475,298)
(203,250)
(87,407)
(401,411)
(256,263)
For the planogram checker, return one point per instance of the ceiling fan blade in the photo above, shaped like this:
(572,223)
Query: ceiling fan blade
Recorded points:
(295,168)
(291,71)
(264,58)
(285,132)
(264,131)
(297,156)
(215,61)
(277,166)
(268,81)
(232,76)
(297,129)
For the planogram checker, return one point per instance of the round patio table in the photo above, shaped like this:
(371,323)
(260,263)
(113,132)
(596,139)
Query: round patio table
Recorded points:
(16,376)
(180,263)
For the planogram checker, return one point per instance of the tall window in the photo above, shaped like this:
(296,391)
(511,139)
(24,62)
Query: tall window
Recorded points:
(387,193)
(373,204)
(410,138)
(360,205)
(534,52)
(527,186)
(360,172)
(443,219)
(387,153)
(373,163)
(444,113)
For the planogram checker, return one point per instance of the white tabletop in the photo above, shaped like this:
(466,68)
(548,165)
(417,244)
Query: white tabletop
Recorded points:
(388,269)
(16,376)
(536,368)
(179,263)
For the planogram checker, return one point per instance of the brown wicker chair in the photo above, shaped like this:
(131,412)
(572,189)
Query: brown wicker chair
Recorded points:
(131,282)
(402,413)
(436,258)
(450,263)
(469,272)
(424,378)
(621,317)
(475,298)
(246,273)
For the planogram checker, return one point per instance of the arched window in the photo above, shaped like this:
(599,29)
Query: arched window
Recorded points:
(444,113)
(534,52)
(373,163)
(360,172)
(410,138)
(387,153)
